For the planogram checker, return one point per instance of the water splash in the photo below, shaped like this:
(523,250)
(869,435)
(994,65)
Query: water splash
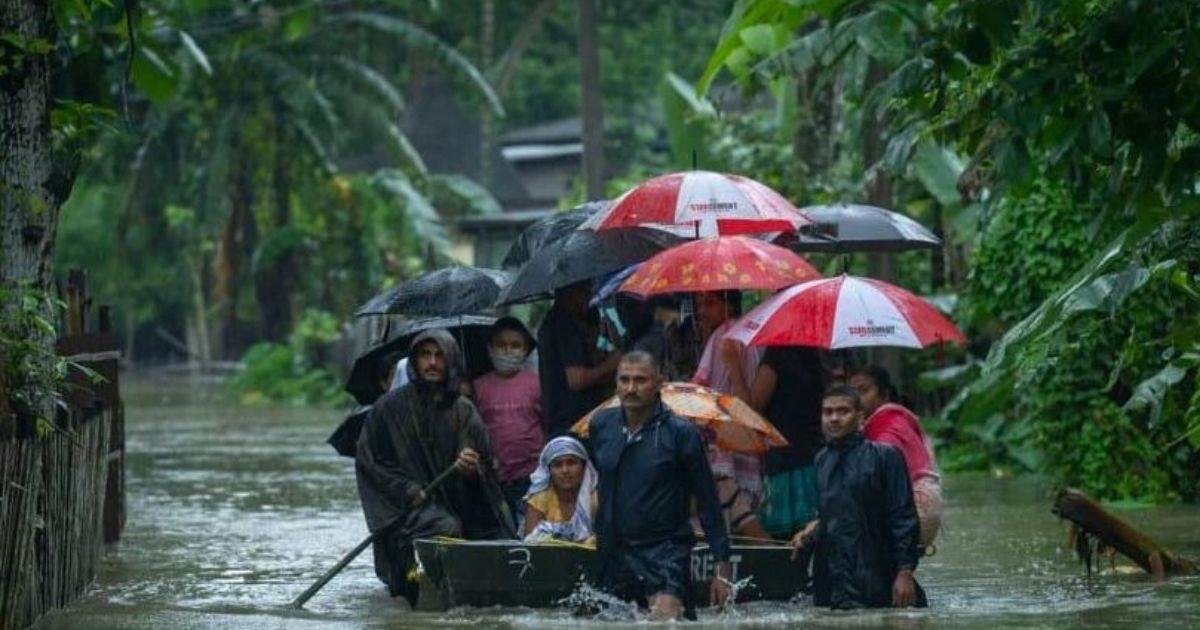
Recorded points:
(735,588)
(589,601)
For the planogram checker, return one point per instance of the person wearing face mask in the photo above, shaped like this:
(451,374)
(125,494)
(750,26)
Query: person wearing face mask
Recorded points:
(509,399)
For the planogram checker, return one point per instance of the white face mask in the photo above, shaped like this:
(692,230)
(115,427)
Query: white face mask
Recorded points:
(506,362)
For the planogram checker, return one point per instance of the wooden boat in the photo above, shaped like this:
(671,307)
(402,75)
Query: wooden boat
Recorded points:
(513,573)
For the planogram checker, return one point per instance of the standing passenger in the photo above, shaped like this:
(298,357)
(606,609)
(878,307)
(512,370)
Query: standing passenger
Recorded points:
(652,465)
(892,423)
(739,475)
(575,375)
(509,399)
(787,390)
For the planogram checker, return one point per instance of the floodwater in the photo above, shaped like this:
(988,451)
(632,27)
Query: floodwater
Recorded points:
(233,511)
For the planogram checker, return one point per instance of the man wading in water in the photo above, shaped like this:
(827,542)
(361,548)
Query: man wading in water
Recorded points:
(413,434)
(651,464)
(866,532)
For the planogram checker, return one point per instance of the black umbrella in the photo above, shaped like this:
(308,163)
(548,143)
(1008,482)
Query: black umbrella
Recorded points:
(582,255)
(845,227)
(471,331)
(449,291)
(546,231)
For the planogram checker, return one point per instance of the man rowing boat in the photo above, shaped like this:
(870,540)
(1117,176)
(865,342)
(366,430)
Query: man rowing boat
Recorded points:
(413,434)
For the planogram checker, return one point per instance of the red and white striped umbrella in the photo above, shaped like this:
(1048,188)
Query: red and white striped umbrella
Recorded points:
(845,312)
(700,203)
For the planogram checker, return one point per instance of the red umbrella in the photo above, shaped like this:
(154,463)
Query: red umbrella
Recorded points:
(700,203)
(845,312)
(720,264)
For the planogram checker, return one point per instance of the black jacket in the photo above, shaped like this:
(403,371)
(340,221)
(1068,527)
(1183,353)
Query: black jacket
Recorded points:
(868,524)
(647,482)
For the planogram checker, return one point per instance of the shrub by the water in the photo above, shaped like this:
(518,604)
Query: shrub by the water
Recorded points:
(292,373)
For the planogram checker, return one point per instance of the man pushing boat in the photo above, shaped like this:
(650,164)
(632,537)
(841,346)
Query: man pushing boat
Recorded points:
(413,435)
(651,465)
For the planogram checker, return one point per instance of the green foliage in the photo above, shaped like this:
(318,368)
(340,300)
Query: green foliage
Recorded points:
(33,371)
(292,373)
(1027,250)
(1078,128)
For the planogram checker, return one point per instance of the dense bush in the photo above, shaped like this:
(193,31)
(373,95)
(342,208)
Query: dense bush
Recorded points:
(1028,247)
(292,373)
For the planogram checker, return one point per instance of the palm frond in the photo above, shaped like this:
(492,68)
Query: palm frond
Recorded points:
(414,35)
(371,78)
(421,214)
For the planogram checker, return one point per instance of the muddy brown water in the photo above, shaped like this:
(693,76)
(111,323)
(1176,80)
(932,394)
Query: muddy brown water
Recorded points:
(233,511)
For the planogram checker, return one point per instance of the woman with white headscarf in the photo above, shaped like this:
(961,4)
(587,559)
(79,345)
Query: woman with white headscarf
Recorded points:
(561,498)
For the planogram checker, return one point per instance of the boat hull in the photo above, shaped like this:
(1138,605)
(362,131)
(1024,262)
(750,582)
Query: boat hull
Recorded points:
(508,573)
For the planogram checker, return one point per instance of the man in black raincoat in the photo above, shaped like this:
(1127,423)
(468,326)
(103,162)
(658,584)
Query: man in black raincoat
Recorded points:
(652,464)
(413,434)
(866,528)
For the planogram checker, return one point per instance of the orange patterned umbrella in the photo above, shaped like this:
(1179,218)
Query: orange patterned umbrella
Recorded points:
(737,426)
(720,264)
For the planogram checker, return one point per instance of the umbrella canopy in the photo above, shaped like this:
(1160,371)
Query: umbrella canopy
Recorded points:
(581,256)
(720,264)
(612,285)
(845,312)
(700,203)
(448,291)
(737,426)
(471,331)
(855,227)
(546,231)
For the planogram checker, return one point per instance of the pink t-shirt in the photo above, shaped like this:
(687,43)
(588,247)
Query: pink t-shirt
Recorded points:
(744,468)
(511,409)
(712,371)
(893,424)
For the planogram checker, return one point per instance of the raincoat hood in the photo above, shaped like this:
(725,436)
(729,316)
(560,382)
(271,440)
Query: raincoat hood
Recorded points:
(454,363)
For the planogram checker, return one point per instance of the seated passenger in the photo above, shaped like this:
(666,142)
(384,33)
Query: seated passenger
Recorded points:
(561,498)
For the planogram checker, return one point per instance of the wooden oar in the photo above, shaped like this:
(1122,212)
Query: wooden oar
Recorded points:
(348,558)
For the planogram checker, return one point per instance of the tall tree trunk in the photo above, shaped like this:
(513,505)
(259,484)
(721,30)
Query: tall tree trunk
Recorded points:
(33,183)
(593,101)
(487,37)
(230,250)
(275,282)
(198,339)
(880,265)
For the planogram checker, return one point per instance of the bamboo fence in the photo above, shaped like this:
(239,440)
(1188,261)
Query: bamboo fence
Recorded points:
(62,495)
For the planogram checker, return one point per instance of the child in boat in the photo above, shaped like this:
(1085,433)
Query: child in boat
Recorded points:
(509,399)
(892,423)
(561,498)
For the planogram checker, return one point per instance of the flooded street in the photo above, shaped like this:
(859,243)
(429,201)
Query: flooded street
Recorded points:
(233,511)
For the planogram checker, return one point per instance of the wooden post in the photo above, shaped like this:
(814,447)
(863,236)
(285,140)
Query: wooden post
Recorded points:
(8,423)
(1094,520)
(76,302)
